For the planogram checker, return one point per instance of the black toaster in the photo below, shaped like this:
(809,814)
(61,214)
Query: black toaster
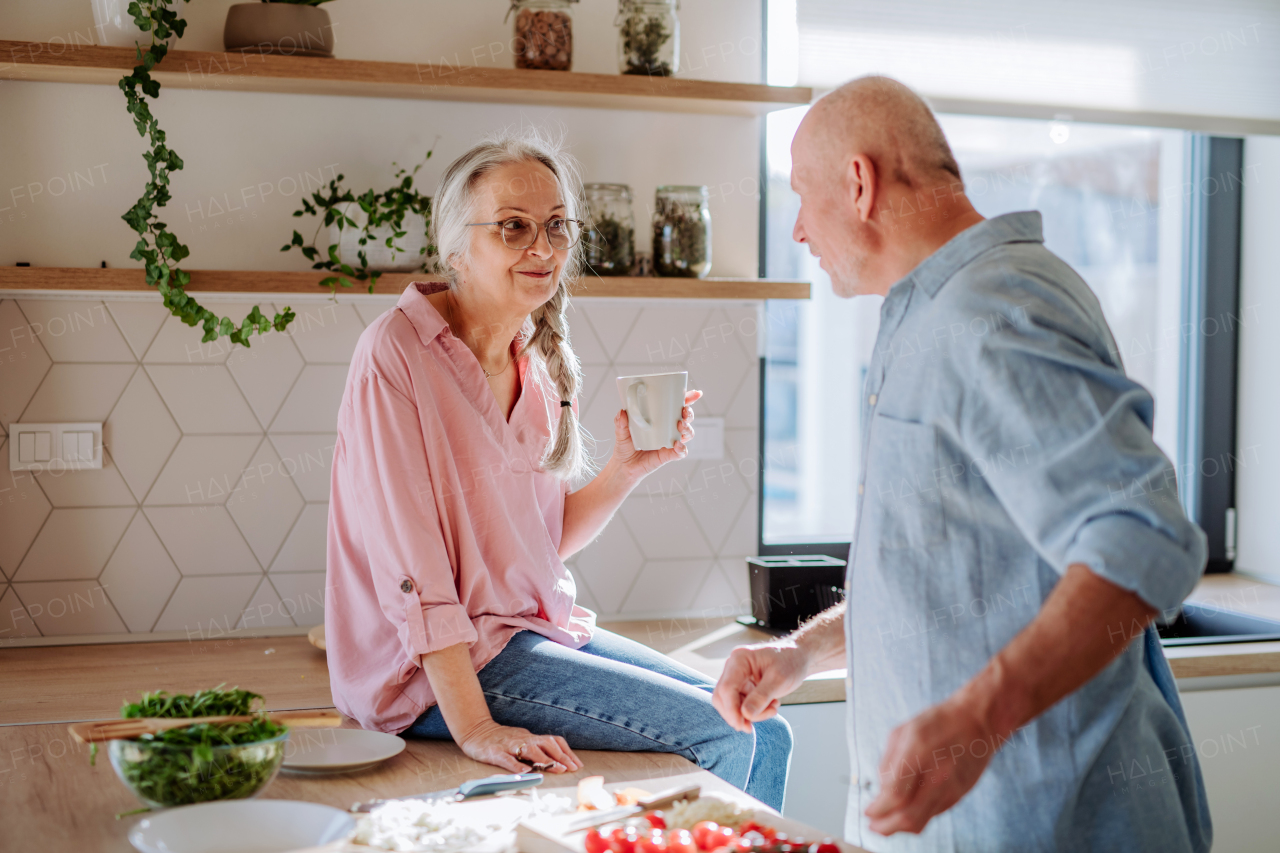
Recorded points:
(787,590)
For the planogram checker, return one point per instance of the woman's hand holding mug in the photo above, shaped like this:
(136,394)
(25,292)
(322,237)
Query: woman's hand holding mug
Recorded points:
(642,462)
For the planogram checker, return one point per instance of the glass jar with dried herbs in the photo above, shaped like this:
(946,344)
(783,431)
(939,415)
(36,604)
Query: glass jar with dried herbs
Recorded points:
(609,244)
(543,35)
(648,37)
(681,232)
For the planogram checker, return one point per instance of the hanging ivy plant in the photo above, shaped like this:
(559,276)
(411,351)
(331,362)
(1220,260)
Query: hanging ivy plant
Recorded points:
(158,248)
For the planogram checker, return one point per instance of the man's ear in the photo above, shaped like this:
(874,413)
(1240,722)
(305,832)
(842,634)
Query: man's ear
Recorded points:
(863,186)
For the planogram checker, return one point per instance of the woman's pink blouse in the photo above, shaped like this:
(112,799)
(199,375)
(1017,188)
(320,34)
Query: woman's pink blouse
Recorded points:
(443,528)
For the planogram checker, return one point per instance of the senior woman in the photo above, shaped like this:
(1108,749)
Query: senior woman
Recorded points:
(449,610)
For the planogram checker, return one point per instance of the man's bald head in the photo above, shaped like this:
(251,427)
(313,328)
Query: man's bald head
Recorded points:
(885,120)
(879,188)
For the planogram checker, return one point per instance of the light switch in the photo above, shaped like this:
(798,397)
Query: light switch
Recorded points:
(55,447)
(708,439)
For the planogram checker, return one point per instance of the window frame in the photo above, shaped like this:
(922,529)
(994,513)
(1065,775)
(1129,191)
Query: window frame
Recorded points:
(1209,365)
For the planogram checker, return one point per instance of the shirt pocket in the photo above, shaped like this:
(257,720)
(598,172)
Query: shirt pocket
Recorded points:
(902,486)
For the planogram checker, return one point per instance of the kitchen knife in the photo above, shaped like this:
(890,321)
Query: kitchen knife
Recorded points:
(466,791)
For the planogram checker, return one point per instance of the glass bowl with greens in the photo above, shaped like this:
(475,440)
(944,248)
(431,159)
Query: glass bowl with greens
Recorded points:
(201,762)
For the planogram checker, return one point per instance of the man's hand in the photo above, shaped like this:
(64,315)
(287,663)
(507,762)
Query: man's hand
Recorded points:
(929,763)
(756,677)
(1084,624)
(754,680)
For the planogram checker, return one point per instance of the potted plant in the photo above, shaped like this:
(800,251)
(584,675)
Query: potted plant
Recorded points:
(287,27)
(369,234)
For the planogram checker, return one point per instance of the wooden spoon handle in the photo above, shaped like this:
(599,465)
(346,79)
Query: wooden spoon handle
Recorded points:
(102,730)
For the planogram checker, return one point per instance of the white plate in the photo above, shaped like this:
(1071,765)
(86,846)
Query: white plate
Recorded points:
(240,826)
(338,750)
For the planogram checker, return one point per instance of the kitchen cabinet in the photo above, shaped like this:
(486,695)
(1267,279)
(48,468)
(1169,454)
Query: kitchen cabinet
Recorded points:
(1236,734)
(818,784)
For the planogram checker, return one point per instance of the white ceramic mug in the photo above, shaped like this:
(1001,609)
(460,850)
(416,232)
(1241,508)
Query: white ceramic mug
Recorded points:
(653,403)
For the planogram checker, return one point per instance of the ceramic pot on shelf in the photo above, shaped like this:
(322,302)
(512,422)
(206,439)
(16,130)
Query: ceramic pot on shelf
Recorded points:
(288,29)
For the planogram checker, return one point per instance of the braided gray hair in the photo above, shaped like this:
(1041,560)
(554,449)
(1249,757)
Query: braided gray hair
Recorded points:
(545,335)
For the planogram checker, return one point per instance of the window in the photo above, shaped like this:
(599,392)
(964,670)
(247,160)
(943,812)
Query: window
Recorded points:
(1113,204)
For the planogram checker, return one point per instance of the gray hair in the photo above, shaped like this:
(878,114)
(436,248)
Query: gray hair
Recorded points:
(545,335)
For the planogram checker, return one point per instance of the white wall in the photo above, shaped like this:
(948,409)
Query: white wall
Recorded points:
(129,550)
(1258,427)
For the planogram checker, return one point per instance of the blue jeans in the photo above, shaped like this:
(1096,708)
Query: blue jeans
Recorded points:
(616,694)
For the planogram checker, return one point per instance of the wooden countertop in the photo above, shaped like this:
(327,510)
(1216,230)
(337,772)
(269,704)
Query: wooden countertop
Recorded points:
(56,801)
(1243,594)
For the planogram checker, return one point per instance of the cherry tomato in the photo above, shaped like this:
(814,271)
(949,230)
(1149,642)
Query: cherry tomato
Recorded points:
(721,836)
(680,841)
(656,820)
(653,842)
(702,833)
(825,846)
(623,840)
(595,842)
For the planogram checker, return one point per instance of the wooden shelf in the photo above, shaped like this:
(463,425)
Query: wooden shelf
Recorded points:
(254,283)
(254,72)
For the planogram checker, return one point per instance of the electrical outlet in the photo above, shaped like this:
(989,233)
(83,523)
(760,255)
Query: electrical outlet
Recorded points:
(55,447)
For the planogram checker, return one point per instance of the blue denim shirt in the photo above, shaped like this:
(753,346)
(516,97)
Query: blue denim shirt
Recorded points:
(1002,442)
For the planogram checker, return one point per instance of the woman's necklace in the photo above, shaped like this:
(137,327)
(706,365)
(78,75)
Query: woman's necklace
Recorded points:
(448,307)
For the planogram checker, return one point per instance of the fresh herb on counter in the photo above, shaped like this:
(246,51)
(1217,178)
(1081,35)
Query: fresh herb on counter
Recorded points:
(181,765)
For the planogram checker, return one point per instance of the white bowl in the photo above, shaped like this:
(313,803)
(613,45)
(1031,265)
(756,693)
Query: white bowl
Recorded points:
(240,826)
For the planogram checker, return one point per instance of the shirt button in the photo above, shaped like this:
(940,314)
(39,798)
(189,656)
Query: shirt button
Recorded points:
(406,585)
(872,399)
(860,488)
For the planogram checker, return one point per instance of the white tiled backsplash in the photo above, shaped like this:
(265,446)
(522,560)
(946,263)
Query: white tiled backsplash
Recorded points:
(209,513)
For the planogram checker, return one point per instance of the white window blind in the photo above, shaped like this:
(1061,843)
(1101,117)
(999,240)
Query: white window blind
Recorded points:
(1206,66)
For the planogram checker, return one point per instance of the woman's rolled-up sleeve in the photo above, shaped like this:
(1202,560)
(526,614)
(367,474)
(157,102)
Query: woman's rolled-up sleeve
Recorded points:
(1085,481)
(401,526)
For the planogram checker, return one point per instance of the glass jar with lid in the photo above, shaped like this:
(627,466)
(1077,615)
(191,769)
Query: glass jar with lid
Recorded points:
(543,36)
(648,37)
(681,232)
(609,242)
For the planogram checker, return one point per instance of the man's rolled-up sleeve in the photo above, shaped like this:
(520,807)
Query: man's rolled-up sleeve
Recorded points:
(1067,444)
(403,535)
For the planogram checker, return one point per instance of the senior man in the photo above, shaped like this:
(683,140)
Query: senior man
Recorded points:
(1017,531)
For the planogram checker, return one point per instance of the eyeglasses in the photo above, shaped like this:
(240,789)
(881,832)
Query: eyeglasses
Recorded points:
(520,232)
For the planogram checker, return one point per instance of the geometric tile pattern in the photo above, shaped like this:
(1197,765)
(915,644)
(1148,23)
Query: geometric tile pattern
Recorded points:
(210,512)
(690,525)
